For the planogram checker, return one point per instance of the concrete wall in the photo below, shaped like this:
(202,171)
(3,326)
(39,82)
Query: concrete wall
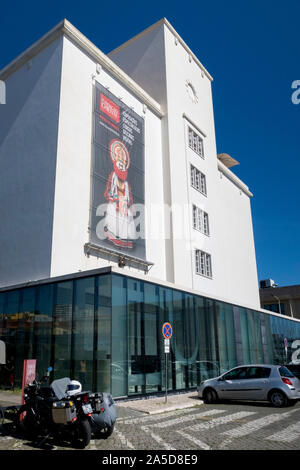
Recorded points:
(28,144)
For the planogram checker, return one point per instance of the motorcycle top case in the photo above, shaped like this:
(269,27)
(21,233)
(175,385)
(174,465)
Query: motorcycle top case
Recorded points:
(63,412)
(96,400)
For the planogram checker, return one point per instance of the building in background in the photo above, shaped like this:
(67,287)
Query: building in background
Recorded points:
(284,300)
(117,215)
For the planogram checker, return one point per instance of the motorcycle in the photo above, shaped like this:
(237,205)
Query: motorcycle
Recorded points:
(103,416)
(48,411)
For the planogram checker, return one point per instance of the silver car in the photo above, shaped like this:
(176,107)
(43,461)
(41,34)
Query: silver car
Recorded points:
(253,382)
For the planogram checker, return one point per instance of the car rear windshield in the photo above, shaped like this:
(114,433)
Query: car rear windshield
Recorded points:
(284,372)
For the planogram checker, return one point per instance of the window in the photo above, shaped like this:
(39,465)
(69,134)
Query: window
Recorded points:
(275,308)
(236,374)
(259,372)
(284,372)
(198,180)
(200,220)
(196,142)
(203,264)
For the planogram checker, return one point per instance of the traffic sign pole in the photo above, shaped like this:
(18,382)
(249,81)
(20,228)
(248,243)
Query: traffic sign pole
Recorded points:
(167,334)
(166,396)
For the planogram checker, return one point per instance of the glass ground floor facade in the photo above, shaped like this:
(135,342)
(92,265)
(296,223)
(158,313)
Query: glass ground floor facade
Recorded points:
(105,330)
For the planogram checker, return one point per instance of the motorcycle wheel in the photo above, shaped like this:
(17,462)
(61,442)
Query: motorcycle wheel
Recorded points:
(105,432)
(82,434)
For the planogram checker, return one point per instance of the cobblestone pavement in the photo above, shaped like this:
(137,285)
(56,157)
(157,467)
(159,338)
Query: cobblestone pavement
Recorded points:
(236,426)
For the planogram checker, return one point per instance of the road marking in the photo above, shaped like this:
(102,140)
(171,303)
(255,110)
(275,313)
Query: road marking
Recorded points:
(220,421)
(288,434)
(123,440)
(173,422)
(198,443)
(157,438)
(92,445)
(156,417)
(253,426)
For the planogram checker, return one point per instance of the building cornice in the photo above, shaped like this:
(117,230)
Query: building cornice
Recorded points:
(67,29)
(232,177)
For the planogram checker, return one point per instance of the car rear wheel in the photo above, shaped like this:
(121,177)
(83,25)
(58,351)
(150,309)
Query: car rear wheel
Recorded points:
(210,396)
(278,399)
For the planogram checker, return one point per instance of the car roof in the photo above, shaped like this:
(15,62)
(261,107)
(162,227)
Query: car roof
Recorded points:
(257,365)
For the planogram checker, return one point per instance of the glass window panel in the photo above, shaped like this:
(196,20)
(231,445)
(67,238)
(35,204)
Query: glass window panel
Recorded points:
(166,314)
(180,362)
(119,361)
(136,344)
(152,364)
(14,364)
(43,328)
(103,327)
(62,329)
(83,331)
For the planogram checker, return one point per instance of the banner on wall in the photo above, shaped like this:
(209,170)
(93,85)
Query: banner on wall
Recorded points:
(29,373)
(118,193)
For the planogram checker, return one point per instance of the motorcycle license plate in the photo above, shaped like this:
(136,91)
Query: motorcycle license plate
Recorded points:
(87,409)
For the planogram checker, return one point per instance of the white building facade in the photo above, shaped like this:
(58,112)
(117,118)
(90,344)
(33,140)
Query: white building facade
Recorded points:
(152,97)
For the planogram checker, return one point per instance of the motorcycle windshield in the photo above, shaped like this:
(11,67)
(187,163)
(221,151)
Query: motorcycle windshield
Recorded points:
(59,387)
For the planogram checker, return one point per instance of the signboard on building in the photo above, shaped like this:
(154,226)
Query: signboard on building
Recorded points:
(118,193)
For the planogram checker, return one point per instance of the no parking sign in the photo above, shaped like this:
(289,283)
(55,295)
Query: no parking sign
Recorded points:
(167,330)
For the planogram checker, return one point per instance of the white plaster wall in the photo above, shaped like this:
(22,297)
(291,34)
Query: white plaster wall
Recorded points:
(73,177)
(180,72)
(162,66)
(235,248)
(28,144)
(230,243)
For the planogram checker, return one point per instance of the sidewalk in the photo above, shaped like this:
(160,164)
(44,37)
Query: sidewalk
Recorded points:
(9,398)
(157,404)
(145,405)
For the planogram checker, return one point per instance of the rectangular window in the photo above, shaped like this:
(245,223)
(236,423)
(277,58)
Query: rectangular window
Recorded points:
(196,142)
(275,308)
(198,180)
(203,263)
(200,220)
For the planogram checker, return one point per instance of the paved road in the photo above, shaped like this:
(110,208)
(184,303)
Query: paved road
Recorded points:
(235,426)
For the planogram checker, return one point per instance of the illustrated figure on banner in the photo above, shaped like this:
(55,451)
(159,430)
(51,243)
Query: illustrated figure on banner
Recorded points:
(119,224)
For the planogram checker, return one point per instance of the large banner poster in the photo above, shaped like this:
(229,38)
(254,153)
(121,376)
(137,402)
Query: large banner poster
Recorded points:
(117,218)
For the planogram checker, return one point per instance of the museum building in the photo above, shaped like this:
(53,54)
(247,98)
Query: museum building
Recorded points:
(118,215)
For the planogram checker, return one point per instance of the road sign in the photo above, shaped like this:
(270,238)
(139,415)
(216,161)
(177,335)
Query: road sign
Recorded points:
(167,346)
(167,330)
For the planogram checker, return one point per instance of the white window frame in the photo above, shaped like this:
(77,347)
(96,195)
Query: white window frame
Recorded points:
(200,220)
(198,180)
(195,142)
(203,263)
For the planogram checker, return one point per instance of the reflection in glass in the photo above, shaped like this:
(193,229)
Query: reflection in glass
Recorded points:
(103,330)
(83,332)
(62,329)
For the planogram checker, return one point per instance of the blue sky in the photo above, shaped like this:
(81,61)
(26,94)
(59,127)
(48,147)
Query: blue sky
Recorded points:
(251,49)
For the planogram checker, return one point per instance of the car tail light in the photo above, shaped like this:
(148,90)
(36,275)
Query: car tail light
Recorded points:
(287,381)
